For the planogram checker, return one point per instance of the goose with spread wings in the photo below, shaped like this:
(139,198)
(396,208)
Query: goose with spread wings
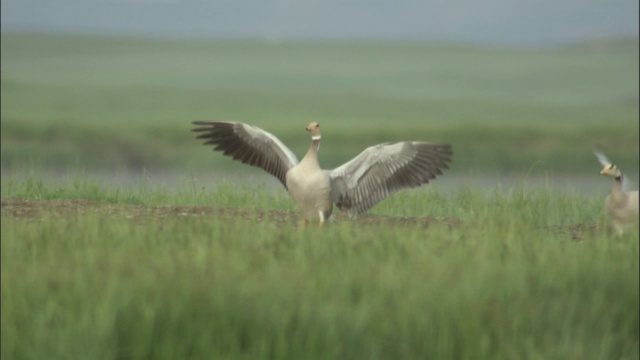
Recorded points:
(354,187)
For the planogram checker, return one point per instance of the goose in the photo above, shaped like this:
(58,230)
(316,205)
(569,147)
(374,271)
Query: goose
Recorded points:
(621,205)
(354,187)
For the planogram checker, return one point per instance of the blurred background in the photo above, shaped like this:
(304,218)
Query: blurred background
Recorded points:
(523,90)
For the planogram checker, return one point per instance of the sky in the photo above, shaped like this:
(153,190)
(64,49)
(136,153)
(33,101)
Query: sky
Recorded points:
(501,22)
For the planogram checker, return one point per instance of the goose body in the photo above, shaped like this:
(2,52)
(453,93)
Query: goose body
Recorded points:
(354,187)
(310,187)
(621,205)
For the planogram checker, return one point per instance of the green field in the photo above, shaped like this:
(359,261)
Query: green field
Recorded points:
(97,269)
(141,273)
(126,104)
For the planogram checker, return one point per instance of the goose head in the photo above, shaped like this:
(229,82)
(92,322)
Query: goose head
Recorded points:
(314,129)
(611,170)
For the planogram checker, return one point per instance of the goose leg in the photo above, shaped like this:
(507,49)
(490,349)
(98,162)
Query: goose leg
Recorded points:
(321,222)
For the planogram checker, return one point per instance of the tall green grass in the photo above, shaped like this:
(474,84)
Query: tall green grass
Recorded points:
(499,284)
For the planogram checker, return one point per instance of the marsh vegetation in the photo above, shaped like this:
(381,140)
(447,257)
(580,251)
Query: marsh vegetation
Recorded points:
(217,269)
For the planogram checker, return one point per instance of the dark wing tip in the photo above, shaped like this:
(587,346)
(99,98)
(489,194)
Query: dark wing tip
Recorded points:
(203,126)
(210,125)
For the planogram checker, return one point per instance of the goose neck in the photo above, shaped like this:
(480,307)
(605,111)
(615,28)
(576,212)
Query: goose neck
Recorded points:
(315,145)
(617,184)
(313,149)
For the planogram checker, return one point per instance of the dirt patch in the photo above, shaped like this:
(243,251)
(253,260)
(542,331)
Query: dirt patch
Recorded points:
(579,232)
(33,209)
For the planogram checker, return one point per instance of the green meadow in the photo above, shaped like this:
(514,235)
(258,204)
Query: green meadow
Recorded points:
(127,104)
(200,269)
(142,273)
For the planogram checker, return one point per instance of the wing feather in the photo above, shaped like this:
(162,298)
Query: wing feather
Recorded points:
(249,145)
(602,158)
(384,169)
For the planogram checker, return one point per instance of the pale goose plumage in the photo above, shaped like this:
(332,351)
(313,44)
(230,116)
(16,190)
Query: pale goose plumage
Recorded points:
(354,187)
(621,205)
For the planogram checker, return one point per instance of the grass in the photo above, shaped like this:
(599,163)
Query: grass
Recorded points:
(95,270)
(145,273)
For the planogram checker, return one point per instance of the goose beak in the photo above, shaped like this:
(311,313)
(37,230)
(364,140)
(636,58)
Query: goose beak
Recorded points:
(605,171)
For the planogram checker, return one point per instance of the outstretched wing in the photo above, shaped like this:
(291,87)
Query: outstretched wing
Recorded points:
(382,170)
(248,144)
(602,158)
